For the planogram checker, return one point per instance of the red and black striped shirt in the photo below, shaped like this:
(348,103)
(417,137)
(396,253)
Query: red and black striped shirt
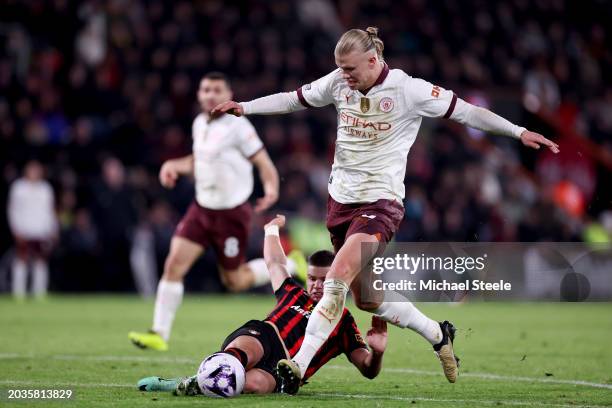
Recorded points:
(293,308)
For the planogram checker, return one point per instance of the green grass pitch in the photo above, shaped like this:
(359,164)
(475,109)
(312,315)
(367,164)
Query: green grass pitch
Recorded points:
(513,354)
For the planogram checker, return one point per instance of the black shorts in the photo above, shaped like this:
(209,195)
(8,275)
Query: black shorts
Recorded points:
(272,346)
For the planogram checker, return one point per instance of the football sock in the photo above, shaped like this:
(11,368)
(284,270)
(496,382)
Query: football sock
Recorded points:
(239,354)
(324,318)
(169,297)
(261,276)
(406,315)
(40,278)
(19,278)
(258,267)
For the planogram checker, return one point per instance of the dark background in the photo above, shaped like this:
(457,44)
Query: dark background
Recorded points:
(95,86)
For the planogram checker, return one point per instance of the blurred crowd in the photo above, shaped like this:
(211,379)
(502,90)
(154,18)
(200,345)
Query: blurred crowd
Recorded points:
(101,92)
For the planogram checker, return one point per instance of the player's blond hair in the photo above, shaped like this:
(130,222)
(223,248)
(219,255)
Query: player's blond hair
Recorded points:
(360,40)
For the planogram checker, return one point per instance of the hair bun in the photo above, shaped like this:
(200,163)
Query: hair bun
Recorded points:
(372,31)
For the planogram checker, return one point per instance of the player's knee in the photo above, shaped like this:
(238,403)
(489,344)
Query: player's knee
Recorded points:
(233,280)
(366,306)
(342,270)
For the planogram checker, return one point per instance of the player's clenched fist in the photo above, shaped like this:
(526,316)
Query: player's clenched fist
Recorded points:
(168,174)
(231,107)
(279,221)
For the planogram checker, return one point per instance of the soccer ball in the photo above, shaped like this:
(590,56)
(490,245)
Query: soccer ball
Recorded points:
(221,375)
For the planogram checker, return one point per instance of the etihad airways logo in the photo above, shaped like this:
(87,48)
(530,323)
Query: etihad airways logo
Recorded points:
(362,123)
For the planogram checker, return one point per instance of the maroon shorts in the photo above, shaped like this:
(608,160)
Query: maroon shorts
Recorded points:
(381,218)
(29,248)
(226,231)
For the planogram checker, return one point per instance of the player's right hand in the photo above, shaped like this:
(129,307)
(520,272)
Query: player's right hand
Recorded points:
(231,107)
(377,335)
(168,174)
(279,221)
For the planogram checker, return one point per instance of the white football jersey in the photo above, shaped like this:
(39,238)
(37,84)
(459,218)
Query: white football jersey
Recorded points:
(375,130)
(31,209)
(221,151)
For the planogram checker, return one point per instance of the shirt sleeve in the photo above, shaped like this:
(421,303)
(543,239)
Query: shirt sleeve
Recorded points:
(318,93)
(485,120)
(351,336)
(248,141)
(429,100)
(283,102)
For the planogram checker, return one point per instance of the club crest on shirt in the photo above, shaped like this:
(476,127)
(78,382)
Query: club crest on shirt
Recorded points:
(365,105)
(386,104)
(254,332)
(307,87)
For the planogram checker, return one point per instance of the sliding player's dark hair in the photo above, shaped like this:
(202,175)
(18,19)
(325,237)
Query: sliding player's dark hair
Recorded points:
(217,76)
(321,258)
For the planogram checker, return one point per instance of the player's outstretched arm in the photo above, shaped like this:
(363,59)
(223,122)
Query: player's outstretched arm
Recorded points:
(172,169)
(269,180)
(274,255)
(369,362)
(284,102)
(485,120)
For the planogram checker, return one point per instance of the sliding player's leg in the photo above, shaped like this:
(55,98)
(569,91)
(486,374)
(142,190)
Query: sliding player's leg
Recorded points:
(254,273)
(405,315)
(327,313)
(183,253)
(259,381)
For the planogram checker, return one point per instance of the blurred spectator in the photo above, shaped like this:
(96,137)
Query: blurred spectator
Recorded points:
(115,216)
(33,223)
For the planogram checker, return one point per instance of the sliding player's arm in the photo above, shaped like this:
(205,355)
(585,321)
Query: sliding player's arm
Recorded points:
(269,180)
(433,101)
(369,362)
(316,94)
(172,169)
(274,255)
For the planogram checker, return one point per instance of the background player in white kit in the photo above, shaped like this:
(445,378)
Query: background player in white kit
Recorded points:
(33,222)
(224,149)
(379,115)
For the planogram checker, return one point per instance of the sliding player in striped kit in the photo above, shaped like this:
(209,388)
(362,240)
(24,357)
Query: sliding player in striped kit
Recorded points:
(379,115)
(260,344)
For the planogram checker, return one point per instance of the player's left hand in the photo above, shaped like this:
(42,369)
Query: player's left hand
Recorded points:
(265,202)
(534,140)
(377,335)
(279,221)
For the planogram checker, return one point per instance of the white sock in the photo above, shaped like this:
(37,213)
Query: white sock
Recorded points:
(258,267)
(261,275)
(169,298)
(322,321)
(40,279)
(405,315)
(19,277)
(291,267)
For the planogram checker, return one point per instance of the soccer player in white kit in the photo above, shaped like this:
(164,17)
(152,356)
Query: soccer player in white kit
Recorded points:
(225,148)
(34,225)
(379,115)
